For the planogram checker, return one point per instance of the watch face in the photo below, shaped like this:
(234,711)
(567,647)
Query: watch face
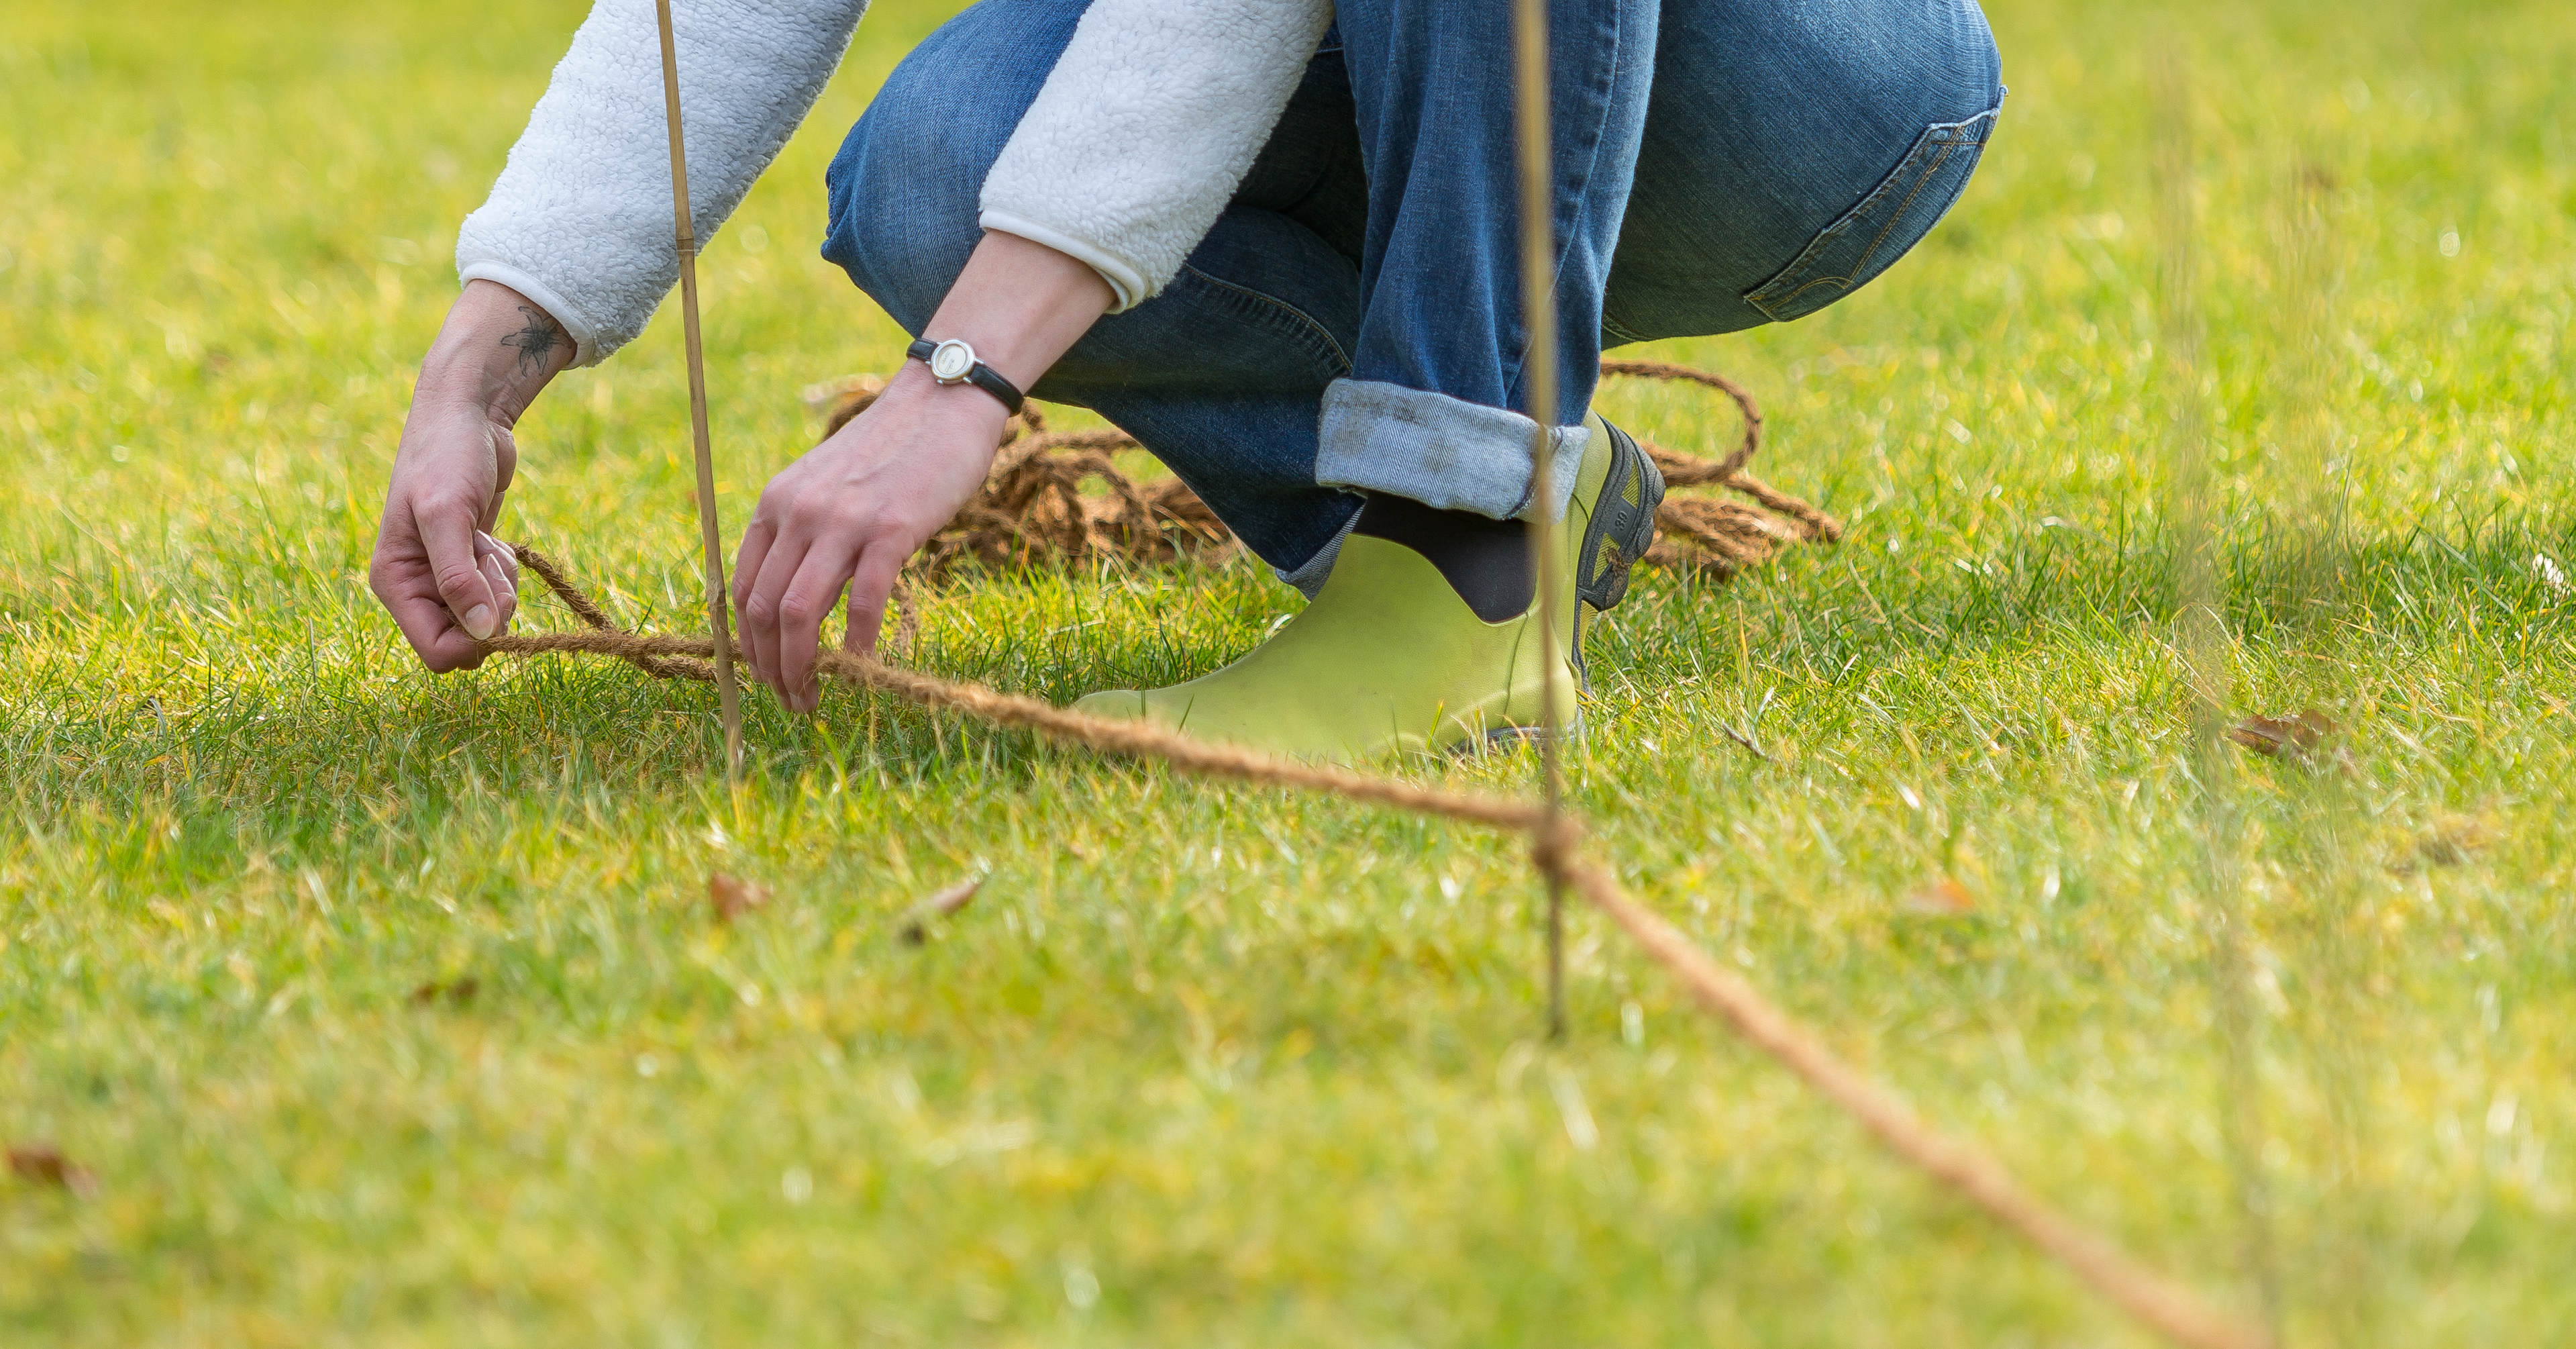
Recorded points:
(951,360)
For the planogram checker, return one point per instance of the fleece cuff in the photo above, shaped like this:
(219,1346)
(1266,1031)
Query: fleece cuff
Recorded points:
(1125,282)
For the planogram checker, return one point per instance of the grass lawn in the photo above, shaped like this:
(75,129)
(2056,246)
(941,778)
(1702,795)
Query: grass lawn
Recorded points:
(1214,1066)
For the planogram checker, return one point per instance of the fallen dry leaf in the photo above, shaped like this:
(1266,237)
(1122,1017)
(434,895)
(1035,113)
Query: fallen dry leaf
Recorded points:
(45,1164)
(2297,737)
(1944,898)
(2296,733)
(456,991)
(734,896)
(914,927)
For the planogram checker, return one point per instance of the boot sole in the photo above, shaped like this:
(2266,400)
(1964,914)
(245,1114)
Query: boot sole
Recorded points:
(1620,530)
(1622,526)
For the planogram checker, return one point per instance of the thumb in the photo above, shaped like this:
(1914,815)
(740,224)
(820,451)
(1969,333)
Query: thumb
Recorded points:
(448,537)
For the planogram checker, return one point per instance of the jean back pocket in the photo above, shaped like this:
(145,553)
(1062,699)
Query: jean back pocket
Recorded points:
(1889,221)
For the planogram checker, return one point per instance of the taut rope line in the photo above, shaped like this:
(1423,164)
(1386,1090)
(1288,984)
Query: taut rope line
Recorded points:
(2167,1308)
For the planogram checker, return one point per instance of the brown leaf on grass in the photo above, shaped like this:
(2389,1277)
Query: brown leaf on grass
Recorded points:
(914,927)
(734,896)
(2279,736)
(456,992)
(45,1164)
(2303,737)
(1944,898)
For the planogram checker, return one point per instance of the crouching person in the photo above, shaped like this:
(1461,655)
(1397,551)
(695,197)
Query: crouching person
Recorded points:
(1274,240)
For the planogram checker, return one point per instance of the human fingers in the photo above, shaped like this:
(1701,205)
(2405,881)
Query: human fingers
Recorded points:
(489,518)
(505,467)
(757,539)
(509,560)
(500,568)
(761,617)
(400,575)
(447,536)
(810,595)
(870,586)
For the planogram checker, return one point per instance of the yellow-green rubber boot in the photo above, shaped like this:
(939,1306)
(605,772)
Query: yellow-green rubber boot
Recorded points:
(1388,658)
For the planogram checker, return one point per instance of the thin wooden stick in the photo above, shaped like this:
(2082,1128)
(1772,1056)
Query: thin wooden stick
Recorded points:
(728,694)
(2201,639)
(1538,301)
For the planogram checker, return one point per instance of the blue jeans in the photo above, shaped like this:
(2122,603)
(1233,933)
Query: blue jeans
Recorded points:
(1353,322)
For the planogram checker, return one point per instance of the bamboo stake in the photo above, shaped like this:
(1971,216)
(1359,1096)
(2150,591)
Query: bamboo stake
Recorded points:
(710,530)
(2208,659)
(1538,301)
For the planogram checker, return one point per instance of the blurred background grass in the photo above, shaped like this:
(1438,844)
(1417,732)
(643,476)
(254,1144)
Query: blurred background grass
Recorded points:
(1227,1066)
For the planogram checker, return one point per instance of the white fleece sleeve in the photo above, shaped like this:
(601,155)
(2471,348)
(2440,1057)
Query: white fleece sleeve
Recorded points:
(580,219)
(1146,126)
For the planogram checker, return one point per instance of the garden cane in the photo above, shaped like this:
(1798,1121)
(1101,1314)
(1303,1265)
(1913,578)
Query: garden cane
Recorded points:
(1538,301)
(728,693)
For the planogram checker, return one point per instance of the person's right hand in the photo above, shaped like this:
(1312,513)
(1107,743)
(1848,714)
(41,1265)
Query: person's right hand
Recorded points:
(436,568)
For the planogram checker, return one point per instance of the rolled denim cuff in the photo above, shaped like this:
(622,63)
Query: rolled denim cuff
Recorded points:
(1438,450)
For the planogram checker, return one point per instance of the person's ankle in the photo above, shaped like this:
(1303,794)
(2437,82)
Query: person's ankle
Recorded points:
(1486,561)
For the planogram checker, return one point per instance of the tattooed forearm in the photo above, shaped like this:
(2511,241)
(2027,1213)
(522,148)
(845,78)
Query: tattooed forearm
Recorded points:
(536,341)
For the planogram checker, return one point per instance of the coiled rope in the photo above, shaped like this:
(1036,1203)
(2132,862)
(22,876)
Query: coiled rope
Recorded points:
(1034,507)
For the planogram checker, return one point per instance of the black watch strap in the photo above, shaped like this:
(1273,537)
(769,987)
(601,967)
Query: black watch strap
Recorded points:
(977,373)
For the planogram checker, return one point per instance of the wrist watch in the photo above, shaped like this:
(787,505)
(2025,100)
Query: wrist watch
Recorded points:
(954,362)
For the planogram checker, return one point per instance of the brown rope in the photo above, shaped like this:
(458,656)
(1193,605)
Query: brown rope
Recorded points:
(1033,506)
(2169,1309)
(666,667)
(1133,738)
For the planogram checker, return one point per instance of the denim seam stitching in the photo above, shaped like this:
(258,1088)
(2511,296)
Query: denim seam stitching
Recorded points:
(1895,179)
(1948,136)
(1317,330)
(1920,180)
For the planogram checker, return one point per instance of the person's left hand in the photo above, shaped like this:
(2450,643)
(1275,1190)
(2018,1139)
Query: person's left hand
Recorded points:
(850,513)
(856,507)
